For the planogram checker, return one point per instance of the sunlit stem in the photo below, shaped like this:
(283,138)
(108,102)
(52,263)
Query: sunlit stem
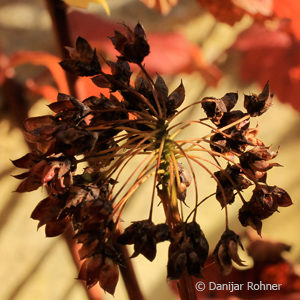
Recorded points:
(160,151)
(193,174)
(184,109)
(179,130)
(153,91)
(202,201)
(172,189)
(130,192)
(120,160)
(112,151)
(198,122)
(218,183)
(228,126)
(175,168)
(185,284)
(111,124)
(133,173)
(213,153)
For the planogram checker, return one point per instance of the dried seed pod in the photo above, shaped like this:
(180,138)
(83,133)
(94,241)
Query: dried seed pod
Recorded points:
(99,268)
(53,171)
(257,105)
(189,252)
(185,181)
(231,117)
(219,143)
(230,179)
(108,276)
(230,100)
(144,235)
(263,203)
(250,136)
(133,46)
(226,251)
(161,89)
(83,59)
(248,218)
(47,212)
(214,109)
(175,99)
(256,162)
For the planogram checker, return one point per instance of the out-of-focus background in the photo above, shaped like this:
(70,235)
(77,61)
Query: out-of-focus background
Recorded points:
(201,52)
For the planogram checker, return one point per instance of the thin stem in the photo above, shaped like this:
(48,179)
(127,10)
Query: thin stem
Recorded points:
(193,173)
(203,200)
(213,154)
(218,183)
(217,154)
(133,290)
(177,176)
(229,126)
(186,285)
(185,108)
(173,196)
(93,293)
(120,160)
(108,124)
(57,11)
(202,123)
(179,130)
(153,91)
(161,148)
(132,189)
(130,177)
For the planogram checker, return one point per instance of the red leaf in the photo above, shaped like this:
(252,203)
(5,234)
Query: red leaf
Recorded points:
(271,55)
(232,11)
(44,59)
(163,6)
(47,91)
(224,11)
(289,9)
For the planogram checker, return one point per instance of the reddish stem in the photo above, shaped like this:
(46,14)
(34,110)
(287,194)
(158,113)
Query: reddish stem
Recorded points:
(128,275)
(58,13)
(185,284)
(93,293)
(57,10)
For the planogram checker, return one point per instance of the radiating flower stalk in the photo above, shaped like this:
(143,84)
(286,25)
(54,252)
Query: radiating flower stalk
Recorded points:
(139,119)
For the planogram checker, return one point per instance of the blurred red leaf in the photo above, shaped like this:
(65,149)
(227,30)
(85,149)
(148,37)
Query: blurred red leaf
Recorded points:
(232,11)
(163,6)
(171,54)
(271,55)
(47,91)
(43,59)
(289,9)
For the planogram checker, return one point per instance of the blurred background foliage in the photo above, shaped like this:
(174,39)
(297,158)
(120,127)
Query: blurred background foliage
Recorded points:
(188,43)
